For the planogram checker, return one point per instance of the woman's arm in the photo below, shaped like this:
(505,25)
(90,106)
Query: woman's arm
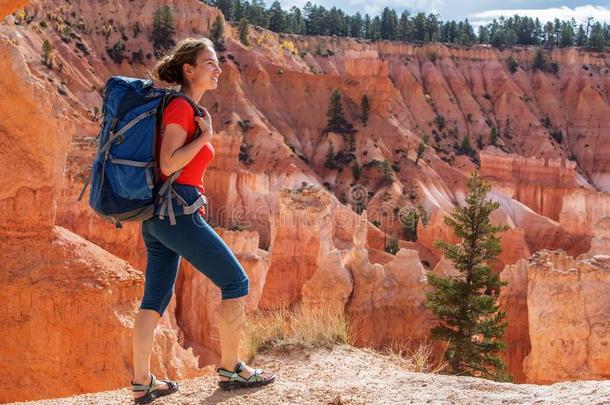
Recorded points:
(174,153)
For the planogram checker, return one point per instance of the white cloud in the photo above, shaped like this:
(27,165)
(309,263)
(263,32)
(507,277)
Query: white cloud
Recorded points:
(601,14)
(374,7)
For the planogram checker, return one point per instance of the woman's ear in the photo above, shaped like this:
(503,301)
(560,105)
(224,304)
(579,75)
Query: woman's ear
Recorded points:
(188,69)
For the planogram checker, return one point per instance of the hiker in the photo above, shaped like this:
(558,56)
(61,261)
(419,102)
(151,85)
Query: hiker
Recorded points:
(193,65)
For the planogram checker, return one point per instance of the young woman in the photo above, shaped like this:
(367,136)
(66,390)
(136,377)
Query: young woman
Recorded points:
(193,65)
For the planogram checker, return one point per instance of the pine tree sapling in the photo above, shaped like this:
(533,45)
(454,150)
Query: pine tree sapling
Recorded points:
(364,110)
(466,306)
(421,149)
(218,33)
(48,56)
(244,31)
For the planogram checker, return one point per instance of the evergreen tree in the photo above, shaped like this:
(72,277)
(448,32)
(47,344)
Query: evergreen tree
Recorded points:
(357,26)
(277,19)
(239,9)
(420,23)
(367,26)
(163,31)
(256,13)
(433,28)
(364,110)
(389,24)
(227,8)
(408,222)
(483,35)
(330,162)
(493,136)
(218,33)
(244,31)
(421,149)
(465,147)
(336,117)
(375,29)
(295,23)
(549,34)
(466,306)
(466,33)
(48,56)
(539,60)
(567,35)
(581,36)
(404,30)
(596,39)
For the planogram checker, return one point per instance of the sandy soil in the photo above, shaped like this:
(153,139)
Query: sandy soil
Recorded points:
(347,375)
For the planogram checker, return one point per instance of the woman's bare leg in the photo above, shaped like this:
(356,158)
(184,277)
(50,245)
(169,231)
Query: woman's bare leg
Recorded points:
(230,326)
(143,337)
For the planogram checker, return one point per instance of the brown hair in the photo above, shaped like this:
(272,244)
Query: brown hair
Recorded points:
(169,68)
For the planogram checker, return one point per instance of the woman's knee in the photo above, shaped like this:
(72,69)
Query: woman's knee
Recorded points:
(236,289)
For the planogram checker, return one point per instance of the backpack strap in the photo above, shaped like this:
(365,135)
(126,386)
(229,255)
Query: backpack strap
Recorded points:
(167,192)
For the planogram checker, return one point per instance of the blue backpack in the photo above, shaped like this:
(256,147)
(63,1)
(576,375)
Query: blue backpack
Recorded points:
(124,176)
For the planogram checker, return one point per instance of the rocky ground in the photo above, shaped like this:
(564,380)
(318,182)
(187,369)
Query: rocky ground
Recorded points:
(346,375)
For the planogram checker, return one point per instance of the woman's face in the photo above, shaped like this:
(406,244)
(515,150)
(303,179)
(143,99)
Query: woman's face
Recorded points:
(204,74)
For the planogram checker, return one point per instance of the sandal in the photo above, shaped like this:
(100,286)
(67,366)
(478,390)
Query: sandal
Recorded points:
(237,381)
(152,393)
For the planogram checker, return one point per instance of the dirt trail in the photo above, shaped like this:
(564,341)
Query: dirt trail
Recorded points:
(347,375)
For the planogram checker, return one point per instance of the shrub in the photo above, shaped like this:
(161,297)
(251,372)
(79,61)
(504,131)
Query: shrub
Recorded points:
(138,56)
(440,122)
(557,135)
(117,51)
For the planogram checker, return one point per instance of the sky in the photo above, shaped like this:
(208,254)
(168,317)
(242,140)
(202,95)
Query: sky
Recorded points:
(477,11)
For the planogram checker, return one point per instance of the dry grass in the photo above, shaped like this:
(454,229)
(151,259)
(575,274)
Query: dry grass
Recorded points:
(285,329)
(415,357)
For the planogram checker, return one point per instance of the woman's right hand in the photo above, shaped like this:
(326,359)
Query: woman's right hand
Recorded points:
(205,125)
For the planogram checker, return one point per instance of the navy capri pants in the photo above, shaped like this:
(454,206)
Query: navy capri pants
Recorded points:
(196,241)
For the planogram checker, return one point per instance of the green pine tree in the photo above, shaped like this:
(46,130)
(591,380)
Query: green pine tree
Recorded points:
(364,110)
(493,136)
(48,56)
(421,149)
(218,33)
(465,147)
(336,117)
(466,306)
(539,60)
(244,31)
(163,31)
(596,39)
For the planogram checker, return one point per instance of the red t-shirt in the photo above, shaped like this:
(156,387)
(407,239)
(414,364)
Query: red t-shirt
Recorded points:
(180,112)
